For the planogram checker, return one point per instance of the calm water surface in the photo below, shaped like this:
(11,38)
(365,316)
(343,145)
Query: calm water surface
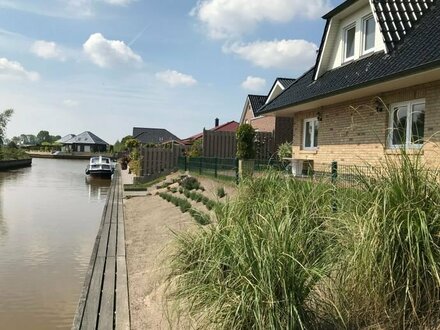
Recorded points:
(49,218)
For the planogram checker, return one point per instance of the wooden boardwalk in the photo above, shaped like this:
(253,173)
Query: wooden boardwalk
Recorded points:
(104,299)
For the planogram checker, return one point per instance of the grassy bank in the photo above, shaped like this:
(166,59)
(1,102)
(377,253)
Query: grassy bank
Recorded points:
(280,257)
(12,154)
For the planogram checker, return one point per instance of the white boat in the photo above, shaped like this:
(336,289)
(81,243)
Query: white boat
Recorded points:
(99,166)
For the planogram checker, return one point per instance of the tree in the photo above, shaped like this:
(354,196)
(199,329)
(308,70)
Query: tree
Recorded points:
(43,136)
(125,138)
(132,144)
(196,148)
(245,142)
(5,116)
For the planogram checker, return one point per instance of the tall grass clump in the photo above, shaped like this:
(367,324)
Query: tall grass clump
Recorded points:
(388,274)
(259,266)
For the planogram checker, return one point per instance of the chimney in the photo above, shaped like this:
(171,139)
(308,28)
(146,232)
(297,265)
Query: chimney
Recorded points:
(217,122)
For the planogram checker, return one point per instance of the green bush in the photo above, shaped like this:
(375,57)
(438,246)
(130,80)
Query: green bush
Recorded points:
(12,154)
(221,192)
(190,183)
(245,142)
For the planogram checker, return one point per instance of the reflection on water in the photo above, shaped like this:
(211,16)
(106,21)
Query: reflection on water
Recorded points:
(98,188)
(49,218)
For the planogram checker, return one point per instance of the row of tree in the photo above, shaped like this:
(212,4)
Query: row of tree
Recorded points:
(43,137)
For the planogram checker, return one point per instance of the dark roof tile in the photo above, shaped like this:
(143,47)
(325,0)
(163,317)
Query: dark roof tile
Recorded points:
(257,101)
(153,135)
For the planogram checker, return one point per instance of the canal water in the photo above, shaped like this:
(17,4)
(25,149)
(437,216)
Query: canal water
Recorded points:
(49,218)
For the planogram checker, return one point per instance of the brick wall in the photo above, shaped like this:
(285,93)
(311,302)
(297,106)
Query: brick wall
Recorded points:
(262,124)
(355,133)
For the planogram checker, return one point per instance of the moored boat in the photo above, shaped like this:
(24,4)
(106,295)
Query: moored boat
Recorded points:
(100,167)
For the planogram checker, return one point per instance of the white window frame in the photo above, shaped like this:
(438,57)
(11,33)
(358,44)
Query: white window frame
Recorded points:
(312,137)
(364,27)
(345,31)
(408,144)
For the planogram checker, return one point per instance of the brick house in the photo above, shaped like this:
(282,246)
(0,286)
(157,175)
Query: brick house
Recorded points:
(230,126)
(282,127)
(375,87)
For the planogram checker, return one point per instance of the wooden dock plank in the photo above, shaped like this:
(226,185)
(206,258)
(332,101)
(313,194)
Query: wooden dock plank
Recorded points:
(102,250)
(111,247)
(121,240)
(106,312)
(104,298)
(122,310)
(93,298)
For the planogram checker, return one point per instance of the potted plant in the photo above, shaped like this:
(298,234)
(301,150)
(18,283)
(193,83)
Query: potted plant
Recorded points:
(245,150)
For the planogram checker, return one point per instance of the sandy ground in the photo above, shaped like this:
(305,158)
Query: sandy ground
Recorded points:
(149,222)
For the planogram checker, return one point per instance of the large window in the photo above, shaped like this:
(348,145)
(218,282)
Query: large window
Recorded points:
(310,135)
(369,34)
(407,124)
(349,37)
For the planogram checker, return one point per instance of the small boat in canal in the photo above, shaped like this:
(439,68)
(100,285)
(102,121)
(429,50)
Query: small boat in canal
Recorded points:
(101,167)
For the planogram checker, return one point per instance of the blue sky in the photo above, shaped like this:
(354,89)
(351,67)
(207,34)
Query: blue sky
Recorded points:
(67,66)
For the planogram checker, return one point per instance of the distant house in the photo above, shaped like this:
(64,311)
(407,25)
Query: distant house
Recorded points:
(153,135)
(282,127)
(85,142)
(230,126)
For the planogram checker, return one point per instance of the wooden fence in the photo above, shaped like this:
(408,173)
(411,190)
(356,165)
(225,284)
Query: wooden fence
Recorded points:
(224,144)
(157,160)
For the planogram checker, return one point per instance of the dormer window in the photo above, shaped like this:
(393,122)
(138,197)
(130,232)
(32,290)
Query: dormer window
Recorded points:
(349,37)
(368,33)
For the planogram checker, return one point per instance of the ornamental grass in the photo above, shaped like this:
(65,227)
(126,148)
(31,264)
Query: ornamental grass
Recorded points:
(280,257)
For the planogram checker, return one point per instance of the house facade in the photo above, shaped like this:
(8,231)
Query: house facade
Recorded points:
(375,87)
(281,127)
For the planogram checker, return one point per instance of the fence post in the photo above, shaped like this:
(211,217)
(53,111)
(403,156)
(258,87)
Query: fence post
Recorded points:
(200,165)
(334,171)
(186,163)
(237,174)
(215,166)
(334,177)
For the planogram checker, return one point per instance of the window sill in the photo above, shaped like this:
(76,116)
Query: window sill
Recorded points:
(308,151)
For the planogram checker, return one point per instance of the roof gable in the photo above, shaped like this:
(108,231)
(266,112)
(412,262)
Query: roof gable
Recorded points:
(395,19)
(279,85)
(420,52)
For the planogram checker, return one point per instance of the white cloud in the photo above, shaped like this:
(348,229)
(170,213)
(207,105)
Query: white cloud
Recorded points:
(107,53)
(70,103)
(282,54)
(118,2)
(15,71)
(254,84)
(174,78)
(47,50)
(232,18)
